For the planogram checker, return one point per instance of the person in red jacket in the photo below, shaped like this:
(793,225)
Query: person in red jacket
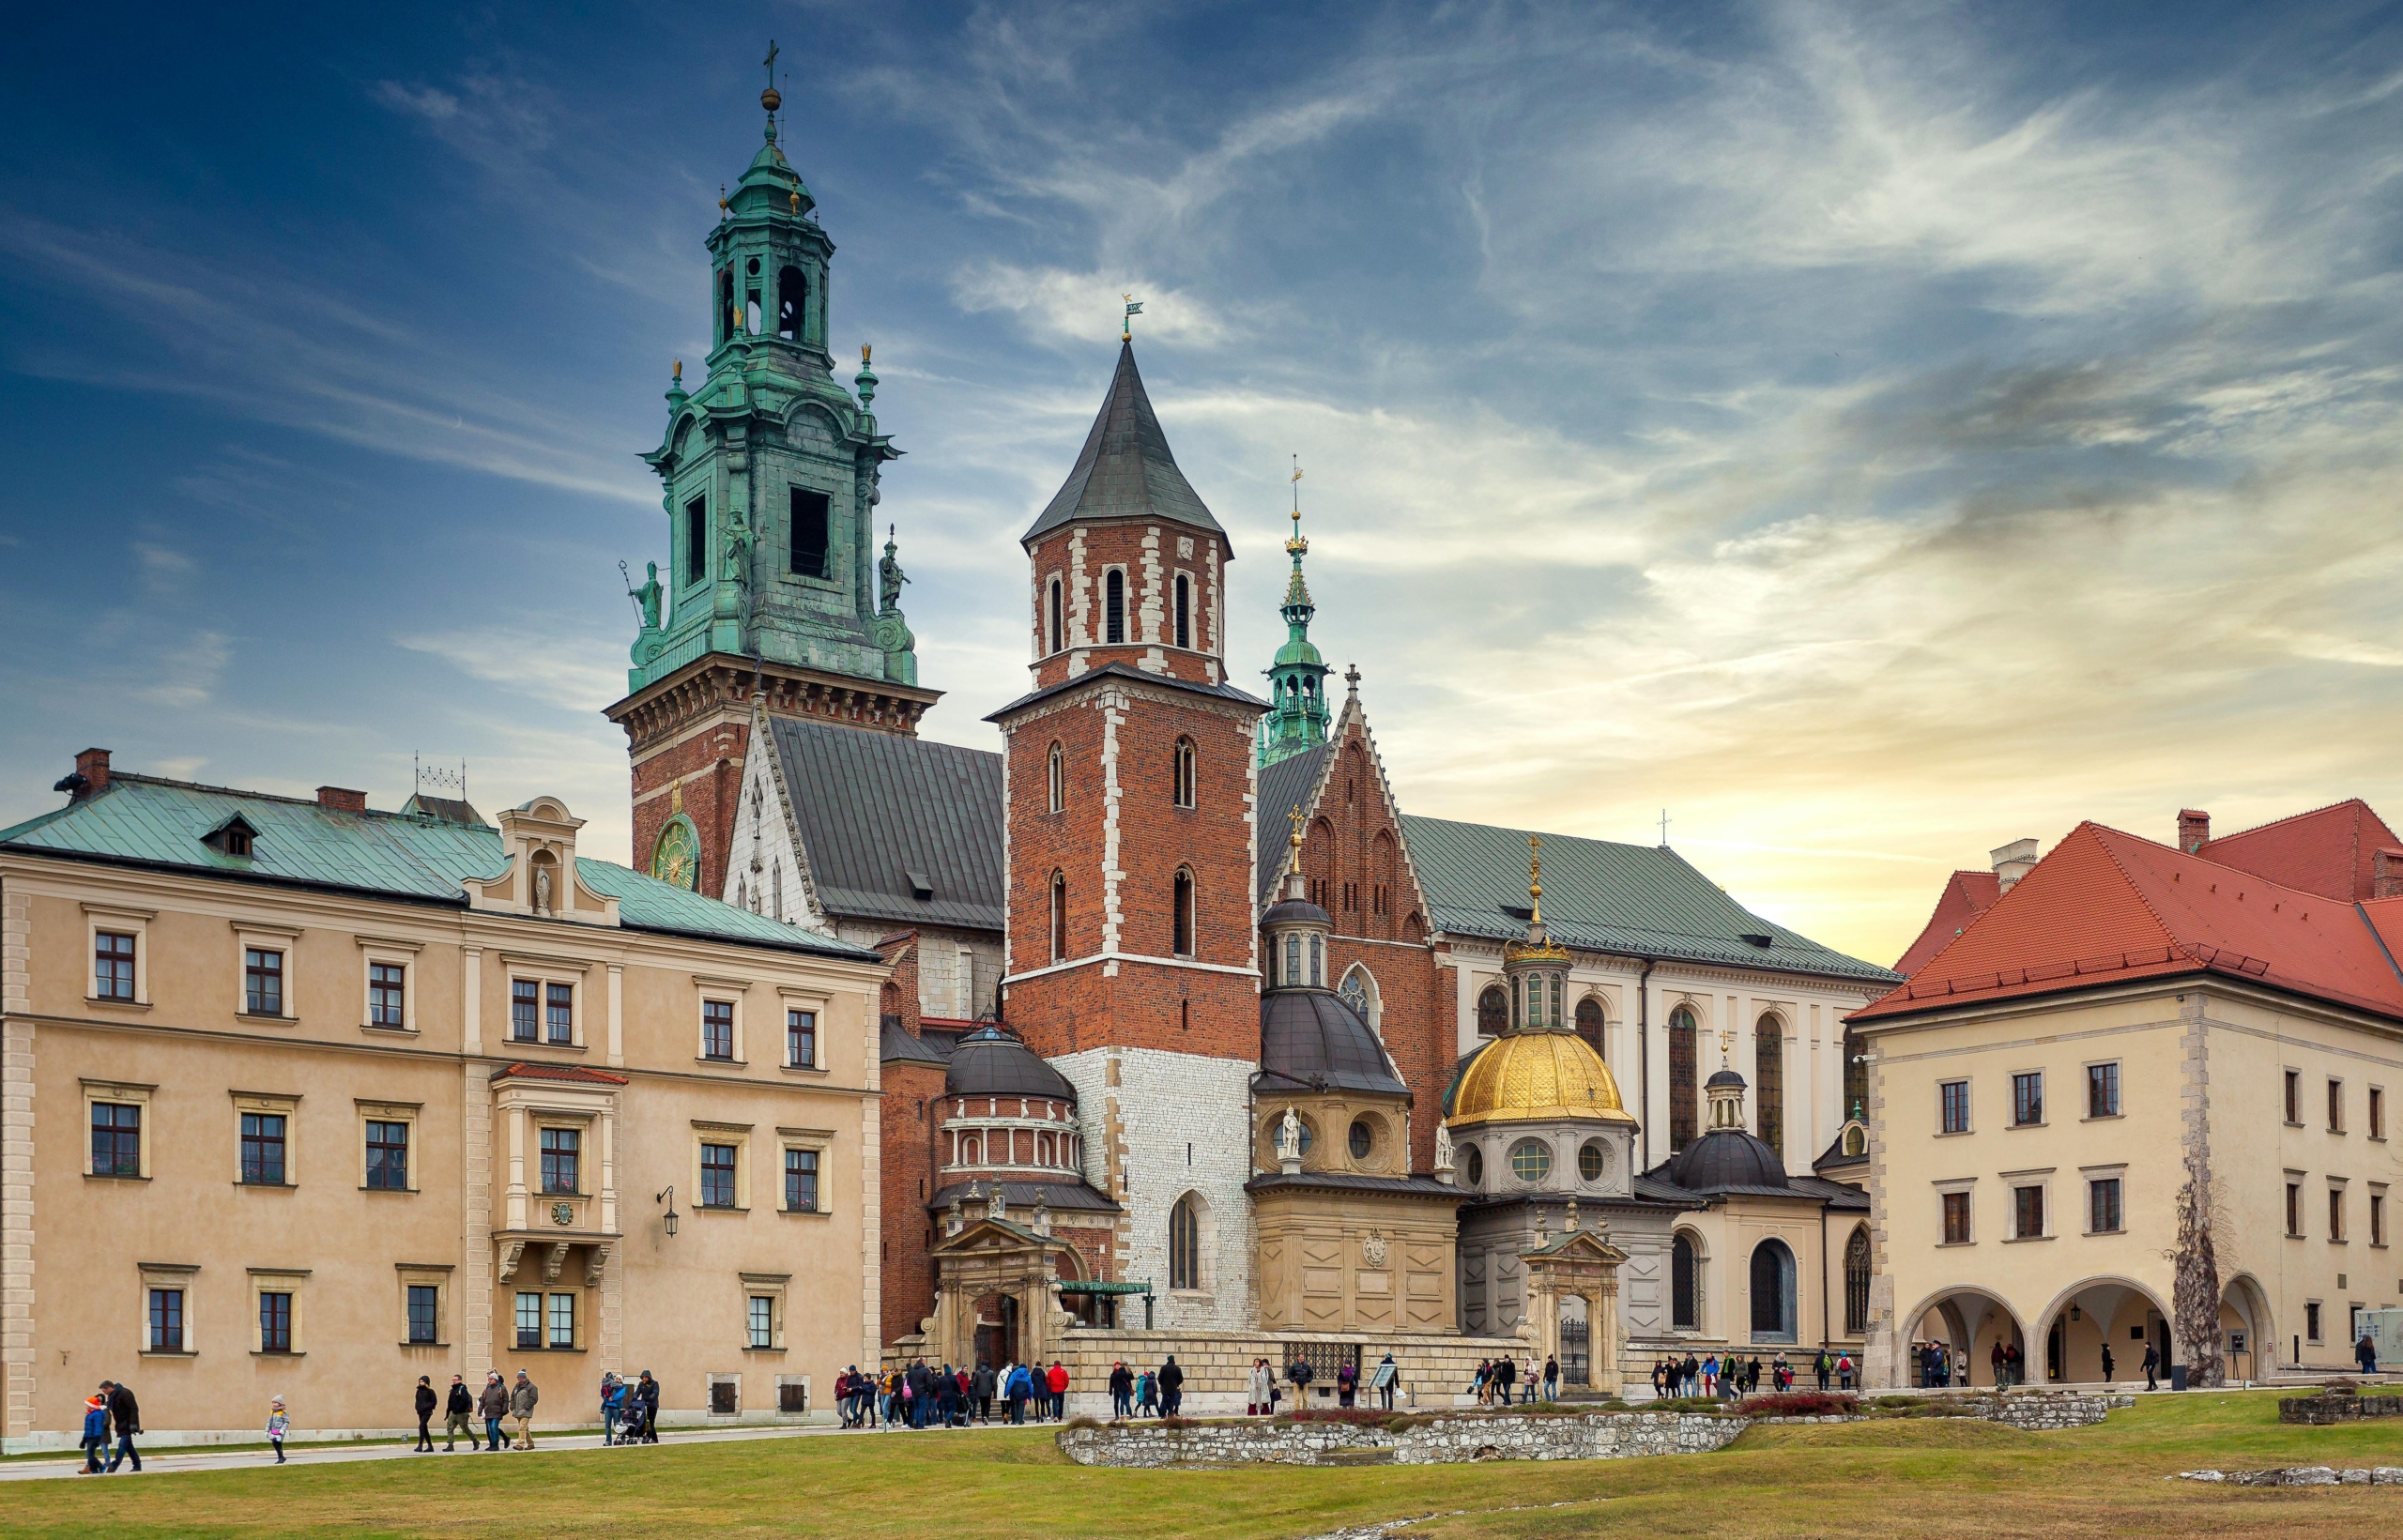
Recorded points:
(1058,1380)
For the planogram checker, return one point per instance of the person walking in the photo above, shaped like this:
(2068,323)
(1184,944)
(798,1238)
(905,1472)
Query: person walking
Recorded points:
(647,1393)
(1347,1383)
(125,1420)
(1016,1392)
(426,1401)
(278,1424)
(1551,1378)
(980,1385)
(455,1413)
(2365,1353)
(2151,1367)
(2107,1365)
(613,1404)
(1388,1377)
(522,1397)
(491,1406)
(1844,1371)
(96,1432)
(1122,1392)
(1058,1379)
(1147,1394)
(1171,1387)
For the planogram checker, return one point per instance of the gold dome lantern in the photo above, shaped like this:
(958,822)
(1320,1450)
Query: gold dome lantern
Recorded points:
(1537,1076)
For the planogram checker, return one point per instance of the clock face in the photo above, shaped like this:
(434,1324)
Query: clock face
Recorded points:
(677,857)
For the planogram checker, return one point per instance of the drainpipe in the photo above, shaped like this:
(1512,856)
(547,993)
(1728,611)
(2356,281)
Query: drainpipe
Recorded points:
(1644,1056)
(1827,1321)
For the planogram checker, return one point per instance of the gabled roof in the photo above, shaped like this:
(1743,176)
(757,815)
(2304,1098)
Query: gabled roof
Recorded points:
(1966,897)
(140,820)
(2104,907)
(1288,784)
(2329,850)
(874,808)
(1602,897)
(1125,469)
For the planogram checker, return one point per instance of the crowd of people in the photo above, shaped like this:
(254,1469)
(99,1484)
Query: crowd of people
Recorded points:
(921,1396)
(1496,1378)
(1714,1378)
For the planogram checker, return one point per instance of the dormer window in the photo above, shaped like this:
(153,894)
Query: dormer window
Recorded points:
(234,837)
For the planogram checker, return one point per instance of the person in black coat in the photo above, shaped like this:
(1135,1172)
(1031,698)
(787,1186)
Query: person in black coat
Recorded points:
(455,1413)
(125,1418)
(1171,1387)
(2107,1365)
(425,1404)
(647,1395)
(2151,1367)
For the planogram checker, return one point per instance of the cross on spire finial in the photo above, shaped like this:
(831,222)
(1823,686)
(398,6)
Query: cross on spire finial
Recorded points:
(771,62)
(1664,829)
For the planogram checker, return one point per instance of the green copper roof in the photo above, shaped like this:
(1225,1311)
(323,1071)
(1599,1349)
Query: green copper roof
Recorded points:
(1632,900)
(412,856)
(1297,676)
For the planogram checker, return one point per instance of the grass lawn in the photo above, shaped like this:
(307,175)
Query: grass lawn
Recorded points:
(1948,1478)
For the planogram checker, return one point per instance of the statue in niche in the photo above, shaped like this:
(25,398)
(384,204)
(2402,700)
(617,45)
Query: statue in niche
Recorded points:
(1289,1136)
(738,548)
(1443,1147)
(888,575)
(541,890)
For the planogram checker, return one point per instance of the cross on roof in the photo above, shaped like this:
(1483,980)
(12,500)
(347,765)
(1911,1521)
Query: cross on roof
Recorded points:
(771,62)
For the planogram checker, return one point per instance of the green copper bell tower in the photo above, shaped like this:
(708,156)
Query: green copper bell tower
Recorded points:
(770,468)
(1297,680)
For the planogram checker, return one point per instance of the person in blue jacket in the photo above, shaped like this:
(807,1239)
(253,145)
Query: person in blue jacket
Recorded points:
(96,1432)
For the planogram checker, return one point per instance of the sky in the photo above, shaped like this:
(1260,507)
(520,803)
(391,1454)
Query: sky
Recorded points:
(1870,433)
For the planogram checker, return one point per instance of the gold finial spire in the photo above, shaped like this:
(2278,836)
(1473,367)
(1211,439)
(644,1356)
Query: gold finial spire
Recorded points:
(1534,879)
(1296,547)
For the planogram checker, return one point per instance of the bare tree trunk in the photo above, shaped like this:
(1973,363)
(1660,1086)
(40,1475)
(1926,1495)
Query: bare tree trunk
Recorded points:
(2196,1299)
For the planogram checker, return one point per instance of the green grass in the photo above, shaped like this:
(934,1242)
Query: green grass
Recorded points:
(1942,1477)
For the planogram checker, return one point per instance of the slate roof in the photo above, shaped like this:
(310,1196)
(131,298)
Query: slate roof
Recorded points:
(1283,785)
(1344,1181)
(1658,1186)
(1125,470)
(1966,897)
(447,809)
(1314,1038)
(2329,850)
(1127,671)
(993,1061)
(895,1044)
(874,808)
(1020,1195)
(1632,900)
(143,821)
(2104,907)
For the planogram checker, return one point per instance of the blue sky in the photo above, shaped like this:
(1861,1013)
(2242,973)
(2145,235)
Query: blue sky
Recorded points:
(1874,432)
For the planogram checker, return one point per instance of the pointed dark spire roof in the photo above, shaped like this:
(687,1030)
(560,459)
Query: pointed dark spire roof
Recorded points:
(1126,470)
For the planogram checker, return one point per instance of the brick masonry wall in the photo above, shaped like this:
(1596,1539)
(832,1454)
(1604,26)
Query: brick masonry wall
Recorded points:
(1151,554)
(709,765)
(912,1094)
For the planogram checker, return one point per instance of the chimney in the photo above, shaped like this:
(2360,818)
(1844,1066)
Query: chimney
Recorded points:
(92,769)
(2194,830)
(2014,860)
(2386,874)
(342,800)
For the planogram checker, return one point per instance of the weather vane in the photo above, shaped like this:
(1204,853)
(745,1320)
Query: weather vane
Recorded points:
(1126,325)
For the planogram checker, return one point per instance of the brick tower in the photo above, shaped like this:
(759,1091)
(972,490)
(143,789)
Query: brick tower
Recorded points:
(769,473)
(1132,955)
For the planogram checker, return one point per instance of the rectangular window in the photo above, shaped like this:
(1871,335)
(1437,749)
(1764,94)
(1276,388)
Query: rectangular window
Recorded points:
(2377,1112)
(166,1320)
(2335,1214)
(722,1397)
(525,1007)
(800,1039)
(275,1323)
(562,1321)
(263,1148)
(809,531)
(2311,1322)
(558,1013)
(116,1139)
(1956,1219)
(697,542)
(801,1181)
(2335,1107)
(1956,1106)
(2103,1205)
(111,966)
(763,1321)
(2294,1097)
(262,981)
(388,1156)
(2378,1219)
(2027,1098)
(386,983)
(424,1301)
(2027,1212)
(717,1176)
(2294,1208)
(561,1148)
(717,1029)
(529,1320)
(2102,1091)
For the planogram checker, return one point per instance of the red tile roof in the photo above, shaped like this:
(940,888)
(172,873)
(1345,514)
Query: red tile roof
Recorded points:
(2107,906)
(2328,850)
(573,1073)
(1966,897)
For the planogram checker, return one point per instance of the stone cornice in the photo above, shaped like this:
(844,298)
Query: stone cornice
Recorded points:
(720,681)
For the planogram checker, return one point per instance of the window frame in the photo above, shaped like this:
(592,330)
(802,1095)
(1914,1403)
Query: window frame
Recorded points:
(1944,1107)
(252,1104)
(1182,772)
(822,509)
(292,1284)
(2314,1322)
(376,951)
(1957,1195)
(1184,1245)
(518,1331)
(546,1160)
(2020,1193)
(2104,1071)
(696,531)
(99,920)
(717,1031)
(547,975)
(2294,1097)
(434,1275)
(813,1143)
(1059,926)
(263,991)
(177,1278)
(2377,1114)
(2020,1103)
(1055,773)
(118,1093)
(2340,1230)
(282,941)
(2378,1214)
(1185,906)
(1056,620)
(812,1037)
(729,993)
(773,1290)
(2335,1104)
(406,1115)
(2295,1215)
(1181,626)
(738,1138)
(1115,629)
(2114,1177)
(552,1299)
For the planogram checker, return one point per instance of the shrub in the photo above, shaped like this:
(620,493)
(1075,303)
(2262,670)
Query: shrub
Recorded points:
(1180,1424)
(1403,1423)
(1800,1403)
(1074,1423)
(1357,1416)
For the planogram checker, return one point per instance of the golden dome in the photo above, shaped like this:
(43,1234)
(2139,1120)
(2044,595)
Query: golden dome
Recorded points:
(1536,1077)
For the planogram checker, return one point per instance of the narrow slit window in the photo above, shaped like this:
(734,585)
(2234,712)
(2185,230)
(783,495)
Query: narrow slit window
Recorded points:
(1184,611)
(696,541)
(1182,939)
(1057,630)
(811,537)
(1114,608)
(1058,918)
(792,304)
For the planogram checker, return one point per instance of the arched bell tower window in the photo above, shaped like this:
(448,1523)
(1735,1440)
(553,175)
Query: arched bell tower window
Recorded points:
(1056,776)
(1292,959)
(728,320)
(1182,939)
(1114,608)
(1318,961)
(1053,636)
(1058,918)
(1181,774)
(1184,611)
(1855,1283)
(792,304)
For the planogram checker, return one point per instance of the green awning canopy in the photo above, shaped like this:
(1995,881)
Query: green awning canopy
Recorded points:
(1072,1287)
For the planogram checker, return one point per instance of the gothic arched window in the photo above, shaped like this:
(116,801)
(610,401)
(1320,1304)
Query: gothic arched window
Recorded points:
(1492,1011)
(1684,1116)
(1769,1081)
(1182,941)
(1318,961)
(1057,774)
(792,303)
(1589,1022)
(1114,589)
(1292,959)
(1058,918)
(1052,639)
(1855,1283)
(1184,611)
(1685,1285)
(1182,773)
(1185,1243)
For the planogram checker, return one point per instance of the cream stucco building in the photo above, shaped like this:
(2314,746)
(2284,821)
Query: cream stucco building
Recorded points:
(308,1100)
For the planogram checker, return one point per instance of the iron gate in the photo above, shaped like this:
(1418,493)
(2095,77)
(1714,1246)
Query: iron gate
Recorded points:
(1572,1354)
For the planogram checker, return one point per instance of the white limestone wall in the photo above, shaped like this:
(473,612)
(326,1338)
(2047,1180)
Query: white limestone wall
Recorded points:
(1158,1125)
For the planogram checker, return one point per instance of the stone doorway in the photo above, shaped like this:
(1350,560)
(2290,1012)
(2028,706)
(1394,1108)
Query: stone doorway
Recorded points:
(1576,1359)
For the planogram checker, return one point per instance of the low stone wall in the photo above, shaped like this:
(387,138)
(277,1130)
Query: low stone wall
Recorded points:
(2322,1410)
(2303,1475)
(1436,1370)
(2048,1412)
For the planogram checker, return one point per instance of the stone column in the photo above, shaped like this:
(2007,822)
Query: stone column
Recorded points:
(475,1257)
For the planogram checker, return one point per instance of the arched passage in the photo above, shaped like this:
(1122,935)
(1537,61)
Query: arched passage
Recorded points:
(1950,1337)
(2088,1316)
(1688,1294)
(2248,1330)
(1772,1292)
